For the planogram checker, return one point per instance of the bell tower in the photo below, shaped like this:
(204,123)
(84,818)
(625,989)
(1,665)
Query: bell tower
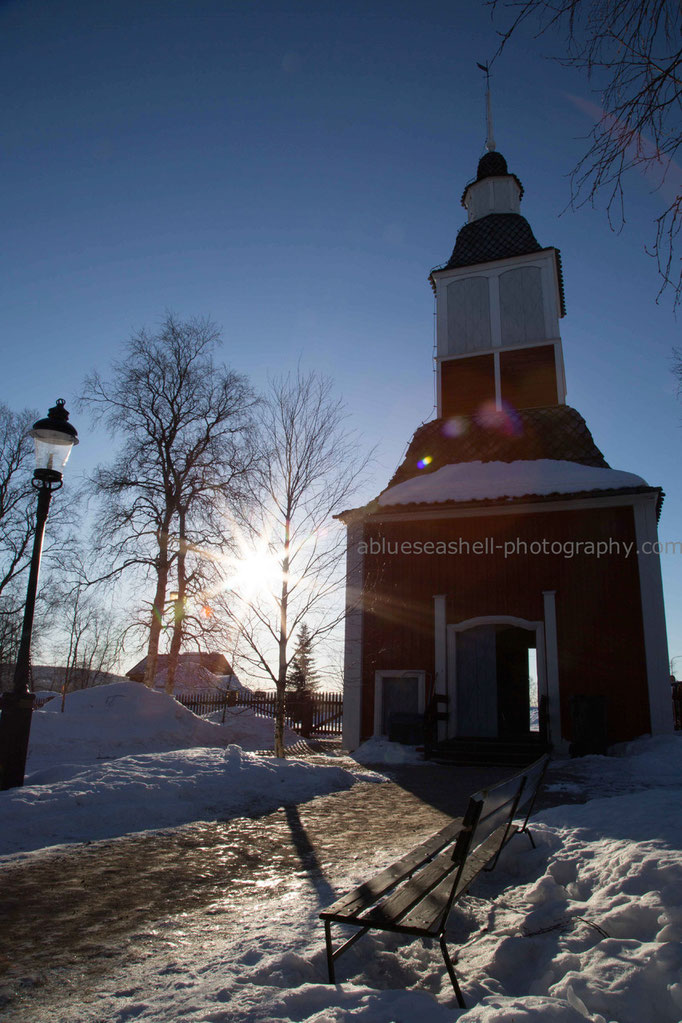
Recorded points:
(499,299)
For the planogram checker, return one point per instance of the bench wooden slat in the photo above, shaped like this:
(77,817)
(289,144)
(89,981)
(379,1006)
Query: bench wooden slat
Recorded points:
(364,895)
(427,915)
(390,910)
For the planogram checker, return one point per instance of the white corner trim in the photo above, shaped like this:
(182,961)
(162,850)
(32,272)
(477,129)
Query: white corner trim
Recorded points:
(352,667)
(552,669)
(440,682)
(653,617)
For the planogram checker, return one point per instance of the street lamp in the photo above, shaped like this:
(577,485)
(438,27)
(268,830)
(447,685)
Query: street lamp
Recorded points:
(54,437)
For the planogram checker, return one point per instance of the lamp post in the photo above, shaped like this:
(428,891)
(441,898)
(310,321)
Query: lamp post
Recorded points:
(54,437)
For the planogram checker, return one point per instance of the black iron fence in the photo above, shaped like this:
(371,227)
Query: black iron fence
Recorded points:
(320,714)
(677,704)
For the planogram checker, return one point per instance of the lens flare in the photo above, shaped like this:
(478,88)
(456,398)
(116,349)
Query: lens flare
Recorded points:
(423,462)
(456,426)
(505,420)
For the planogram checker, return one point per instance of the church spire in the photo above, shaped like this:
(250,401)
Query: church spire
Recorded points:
(490,139)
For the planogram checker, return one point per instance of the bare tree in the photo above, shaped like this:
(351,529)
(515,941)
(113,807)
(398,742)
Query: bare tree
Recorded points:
(17,497)
(86,637)
(183,421)
(290,565)
(632,50)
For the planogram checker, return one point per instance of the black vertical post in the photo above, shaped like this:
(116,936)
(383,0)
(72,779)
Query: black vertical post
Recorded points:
(17,706)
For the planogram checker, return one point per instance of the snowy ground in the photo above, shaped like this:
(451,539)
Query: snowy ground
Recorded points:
(586,927)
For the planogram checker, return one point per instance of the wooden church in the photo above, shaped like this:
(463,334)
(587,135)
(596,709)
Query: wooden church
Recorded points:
(504,549)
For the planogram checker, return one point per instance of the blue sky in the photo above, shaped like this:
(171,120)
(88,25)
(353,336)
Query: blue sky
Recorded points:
(294,171)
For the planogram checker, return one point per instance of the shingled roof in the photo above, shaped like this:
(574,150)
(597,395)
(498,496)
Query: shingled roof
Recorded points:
(497,236)
(558,432)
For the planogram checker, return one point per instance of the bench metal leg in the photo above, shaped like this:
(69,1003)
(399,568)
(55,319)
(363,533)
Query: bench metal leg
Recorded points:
(333,954)
(330,955)
(451,971)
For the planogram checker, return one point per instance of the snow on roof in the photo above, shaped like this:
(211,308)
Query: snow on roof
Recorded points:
(481,481)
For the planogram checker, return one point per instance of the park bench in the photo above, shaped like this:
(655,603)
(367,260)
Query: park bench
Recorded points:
(414,895)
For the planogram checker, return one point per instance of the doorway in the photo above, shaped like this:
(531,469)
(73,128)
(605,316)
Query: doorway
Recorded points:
(494,677)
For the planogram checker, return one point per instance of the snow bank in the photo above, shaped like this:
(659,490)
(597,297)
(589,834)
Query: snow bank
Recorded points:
(648,762)
(478,481)
(75,803)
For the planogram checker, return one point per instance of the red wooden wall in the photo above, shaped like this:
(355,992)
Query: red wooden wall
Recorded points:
(599,619)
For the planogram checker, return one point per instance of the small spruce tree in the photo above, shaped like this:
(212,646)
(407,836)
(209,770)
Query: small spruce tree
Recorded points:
(303,678)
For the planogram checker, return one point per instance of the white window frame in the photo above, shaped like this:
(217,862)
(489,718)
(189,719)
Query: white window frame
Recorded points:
(379,676)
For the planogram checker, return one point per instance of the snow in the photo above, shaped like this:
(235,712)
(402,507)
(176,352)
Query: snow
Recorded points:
(479,481)
(381,751)
(586,927)
(123,758)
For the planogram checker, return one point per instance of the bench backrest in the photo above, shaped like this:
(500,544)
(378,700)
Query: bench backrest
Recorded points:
(492,809)
(535,775)
(488,810)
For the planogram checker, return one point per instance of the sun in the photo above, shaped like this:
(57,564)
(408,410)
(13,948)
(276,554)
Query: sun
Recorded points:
(255,571)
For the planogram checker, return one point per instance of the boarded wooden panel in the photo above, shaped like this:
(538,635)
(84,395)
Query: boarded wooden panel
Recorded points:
(476,682)
(528,377)
(466,385)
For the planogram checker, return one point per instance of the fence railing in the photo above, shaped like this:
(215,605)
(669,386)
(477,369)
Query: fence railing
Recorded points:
(677,704)
(319,715)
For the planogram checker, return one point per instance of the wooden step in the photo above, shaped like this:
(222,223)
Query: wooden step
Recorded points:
(482,751)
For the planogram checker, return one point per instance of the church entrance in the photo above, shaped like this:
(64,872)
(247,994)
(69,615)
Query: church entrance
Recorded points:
(493,681)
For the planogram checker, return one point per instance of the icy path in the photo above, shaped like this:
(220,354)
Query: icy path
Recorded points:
(83,920)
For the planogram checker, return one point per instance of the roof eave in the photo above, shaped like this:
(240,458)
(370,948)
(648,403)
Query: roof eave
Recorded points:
(374,510)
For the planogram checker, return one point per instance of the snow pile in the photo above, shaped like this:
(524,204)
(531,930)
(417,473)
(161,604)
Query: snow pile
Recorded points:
(249,730)
(127,717)
(114,720)
(85,802)
(600,929)
(480,481)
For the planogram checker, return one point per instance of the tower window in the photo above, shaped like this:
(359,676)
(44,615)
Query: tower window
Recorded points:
(522,311)
(468,315)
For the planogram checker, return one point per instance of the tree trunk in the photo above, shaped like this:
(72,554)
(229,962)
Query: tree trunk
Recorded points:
(279,721)
(157,610)
(282,670)
(179,609)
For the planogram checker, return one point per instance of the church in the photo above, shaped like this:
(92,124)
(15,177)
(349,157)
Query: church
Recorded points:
(503,590)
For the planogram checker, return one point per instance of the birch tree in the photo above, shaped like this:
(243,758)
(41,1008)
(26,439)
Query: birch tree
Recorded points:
(290,568)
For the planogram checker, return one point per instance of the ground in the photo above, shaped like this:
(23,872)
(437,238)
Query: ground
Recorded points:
(217,919)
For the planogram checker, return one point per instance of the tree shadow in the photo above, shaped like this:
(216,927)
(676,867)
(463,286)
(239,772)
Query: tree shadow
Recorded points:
(308,856)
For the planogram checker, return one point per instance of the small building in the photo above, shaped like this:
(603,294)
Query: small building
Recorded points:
(505,547)
(195,672)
